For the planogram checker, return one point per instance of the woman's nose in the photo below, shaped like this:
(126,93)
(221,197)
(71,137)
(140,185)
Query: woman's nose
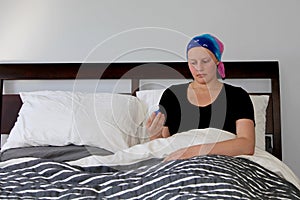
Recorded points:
(198,67)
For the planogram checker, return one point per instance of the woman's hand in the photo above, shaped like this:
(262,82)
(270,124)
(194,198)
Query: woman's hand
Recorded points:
(155,126)
(184,153)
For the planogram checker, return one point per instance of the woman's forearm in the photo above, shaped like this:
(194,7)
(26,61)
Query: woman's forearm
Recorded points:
(234,147)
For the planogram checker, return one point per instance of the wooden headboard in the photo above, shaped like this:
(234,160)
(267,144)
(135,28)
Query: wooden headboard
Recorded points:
(136,72)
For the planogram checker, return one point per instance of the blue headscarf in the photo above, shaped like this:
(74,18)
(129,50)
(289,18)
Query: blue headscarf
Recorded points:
(211,43)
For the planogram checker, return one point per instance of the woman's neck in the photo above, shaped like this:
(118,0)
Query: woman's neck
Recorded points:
(211,86)
(203,94)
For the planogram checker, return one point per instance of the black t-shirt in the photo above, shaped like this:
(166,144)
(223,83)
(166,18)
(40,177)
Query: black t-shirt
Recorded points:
(232,103)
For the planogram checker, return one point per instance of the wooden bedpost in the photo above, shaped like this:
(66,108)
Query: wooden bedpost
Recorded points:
(277,146)
(1,99)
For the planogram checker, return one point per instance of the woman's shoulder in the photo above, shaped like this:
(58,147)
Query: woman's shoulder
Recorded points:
(175,91)
(234,90)
(178,87)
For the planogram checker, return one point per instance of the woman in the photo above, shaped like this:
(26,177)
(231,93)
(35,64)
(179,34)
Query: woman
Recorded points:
(205,102)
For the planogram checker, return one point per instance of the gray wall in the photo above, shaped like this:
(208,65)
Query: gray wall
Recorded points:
(87,30)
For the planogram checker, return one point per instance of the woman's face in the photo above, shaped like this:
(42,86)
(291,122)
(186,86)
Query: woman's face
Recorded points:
(202,64)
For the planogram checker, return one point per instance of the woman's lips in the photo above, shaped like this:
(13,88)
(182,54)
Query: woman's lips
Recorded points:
(201,75)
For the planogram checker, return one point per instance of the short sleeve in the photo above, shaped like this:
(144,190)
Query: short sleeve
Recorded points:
(244,107)
(170,107)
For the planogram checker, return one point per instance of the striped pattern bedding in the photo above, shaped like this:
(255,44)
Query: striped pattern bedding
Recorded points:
(203,177)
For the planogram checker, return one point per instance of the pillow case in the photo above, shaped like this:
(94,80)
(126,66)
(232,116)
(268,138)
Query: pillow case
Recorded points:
(150,98)
(260,102)
(59,118)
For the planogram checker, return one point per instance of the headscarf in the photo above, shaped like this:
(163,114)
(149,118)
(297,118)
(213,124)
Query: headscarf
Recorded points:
(211,43)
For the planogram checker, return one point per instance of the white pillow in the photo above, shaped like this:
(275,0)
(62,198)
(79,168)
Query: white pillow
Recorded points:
(260,102)
(60,118)
(150,98)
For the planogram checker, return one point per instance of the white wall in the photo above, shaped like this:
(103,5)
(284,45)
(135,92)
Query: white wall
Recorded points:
(92,30)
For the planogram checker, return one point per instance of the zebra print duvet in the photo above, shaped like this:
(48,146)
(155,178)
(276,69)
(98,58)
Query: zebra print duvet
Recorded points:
(203,177)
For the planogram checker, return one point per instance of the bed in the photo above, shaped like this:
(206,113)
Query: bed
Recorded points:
(87,145)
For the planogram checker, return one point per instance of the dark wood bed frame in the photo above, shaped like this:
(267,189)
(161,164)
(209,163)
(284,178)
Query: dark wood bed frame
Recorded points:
(136,71)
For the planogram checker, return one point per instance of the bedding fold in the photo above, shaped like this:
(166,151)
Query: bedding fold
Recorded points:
(205,177)
(139,173)
(56,153)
